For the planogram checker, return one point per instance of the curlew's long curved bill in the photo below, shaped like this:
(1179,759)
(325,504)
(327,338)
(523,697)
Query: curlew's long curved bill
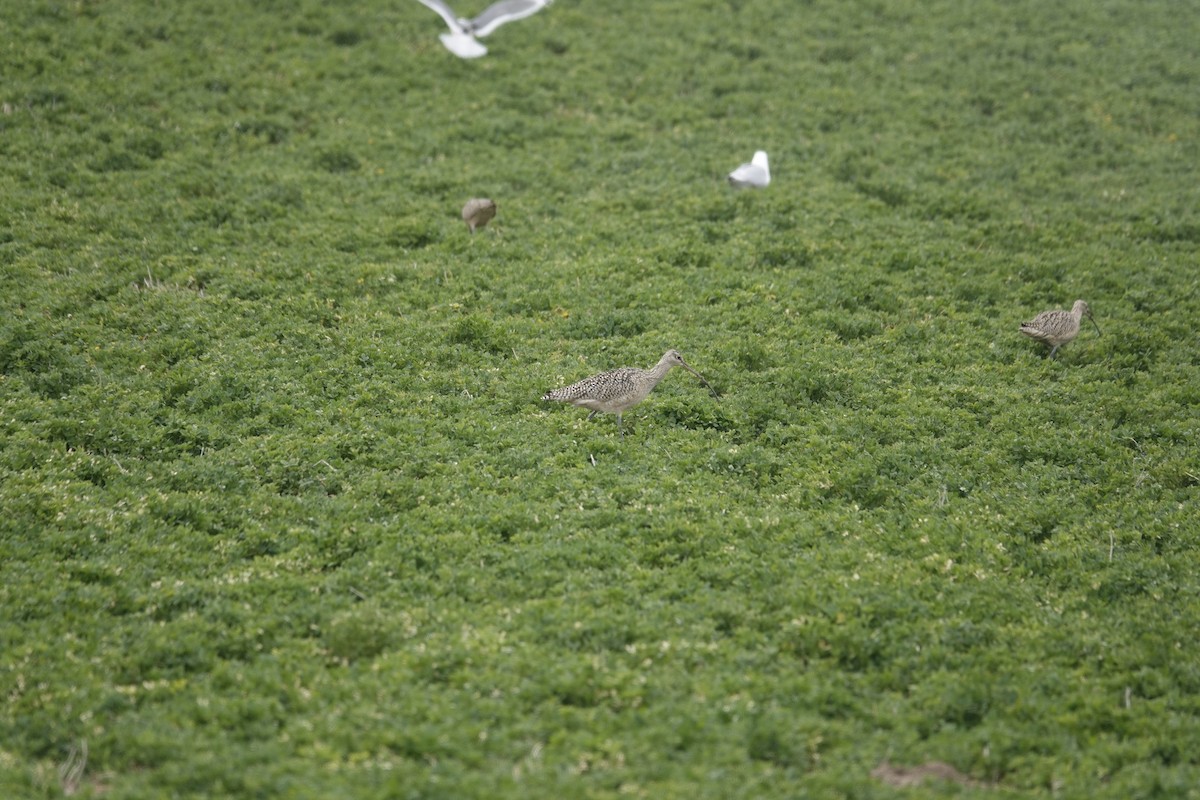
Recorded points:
(1094,325)
(701,377)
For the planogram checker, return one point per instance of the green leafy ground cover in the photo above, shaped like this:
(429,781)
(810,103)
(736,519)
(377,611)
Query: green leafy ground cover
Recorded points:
(283,515)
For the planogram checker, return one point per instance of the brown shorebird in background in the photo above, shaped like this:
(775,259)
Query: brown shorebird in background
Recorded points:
(1058,327)
(478,212)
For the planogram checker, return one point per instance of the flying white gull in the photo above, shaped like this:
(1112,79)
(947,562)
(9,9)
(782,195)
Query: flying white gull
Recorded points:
(461,39)
(755,175)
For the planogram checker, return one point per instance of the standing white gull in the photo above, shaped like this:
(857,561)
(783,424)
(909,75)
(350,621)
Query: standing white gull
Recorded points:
(755,175)
(461,39)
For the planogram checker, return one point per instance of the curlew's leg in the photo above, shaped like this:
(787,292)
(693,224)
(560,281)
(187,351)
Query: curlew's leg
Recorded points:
(594,413)
(620,429)
(1053,350)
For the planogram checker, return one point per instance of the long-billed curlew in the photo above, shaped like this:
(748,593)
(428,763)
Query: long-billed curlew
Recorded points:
(461,39)
(478,212)
(621,389)
(755,175)
(1058,327)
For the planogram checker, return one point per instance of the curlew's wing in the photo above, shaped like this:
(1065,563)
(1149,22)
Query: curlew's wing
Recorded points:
(605,386)
(1047,326)
(445,12)
(1033,332)
(1049,320)
(504,11)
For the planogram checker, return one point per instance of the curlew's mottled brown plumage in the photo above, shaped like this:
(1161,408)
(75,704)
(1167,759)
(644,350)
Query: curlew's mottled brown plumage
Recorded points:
(1058,327)
(478,212)
(621,389)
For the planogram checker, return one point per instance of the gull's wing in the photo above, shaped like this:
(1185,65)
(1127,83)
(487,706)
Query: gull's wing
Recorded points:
(748,175)
(444,11)
(463,45)
(497,14)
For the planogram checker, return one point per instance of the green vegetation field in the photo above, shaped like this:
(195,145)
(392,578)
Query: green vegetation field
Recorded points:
(283,515)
